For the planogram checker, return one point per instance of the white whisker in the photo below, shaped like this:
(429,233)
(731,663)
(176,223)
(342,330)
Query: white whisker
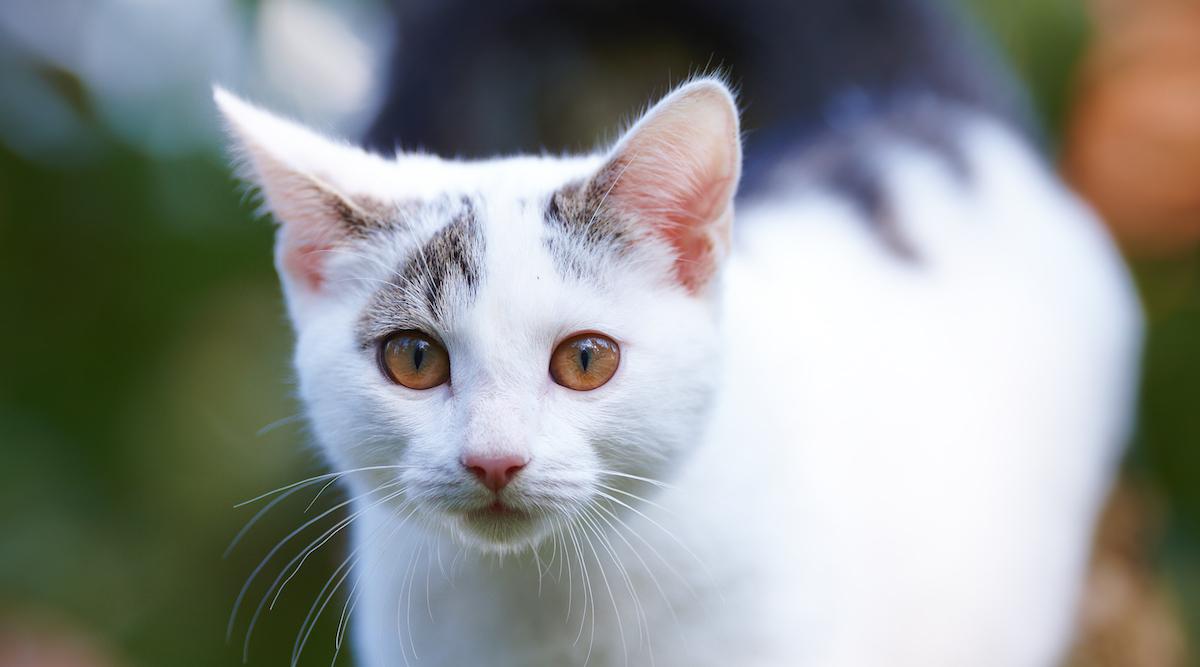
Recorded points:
(626,475)
(670,568)
(301,557)
(590,526)
(270,554)
(661,527)
(314,613)
(645,566)
(317,478)
(636,497)
(290,419)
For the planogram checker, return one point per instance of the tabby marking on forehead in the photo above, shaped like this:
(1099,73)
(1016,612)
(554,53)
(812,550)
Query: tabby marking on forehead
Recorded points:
(436,278)
(583,232)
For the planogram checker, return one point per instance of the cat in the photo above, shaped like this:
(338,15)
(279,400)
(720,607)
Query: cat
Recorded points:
(585,414)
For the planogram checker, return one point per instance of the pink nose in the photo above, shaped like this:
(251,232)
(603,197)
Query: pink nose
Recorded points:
(494,472)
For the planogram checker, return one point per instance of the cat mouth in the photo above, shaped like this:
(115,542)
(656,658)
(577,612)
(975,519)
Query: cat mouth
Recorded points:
(497,510)
(498,525)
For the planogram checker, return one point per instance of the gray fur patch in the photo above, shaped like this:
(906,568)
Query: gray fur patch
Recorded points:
(583,233)
(442,274)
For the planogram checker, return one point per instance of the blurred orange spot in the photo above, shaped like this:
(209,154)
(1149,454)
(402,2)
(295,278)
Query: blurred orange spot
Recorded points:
(1133,141)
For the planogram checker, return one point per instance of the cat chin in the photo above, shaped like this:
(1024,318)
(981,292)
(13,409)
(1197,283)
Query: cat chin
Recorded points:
(499,533)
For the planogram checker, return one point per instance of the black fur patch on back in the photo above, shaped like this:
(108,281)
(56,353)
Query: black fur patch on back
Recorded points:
(845,162)
(510,76)
(855,179)
(443,273)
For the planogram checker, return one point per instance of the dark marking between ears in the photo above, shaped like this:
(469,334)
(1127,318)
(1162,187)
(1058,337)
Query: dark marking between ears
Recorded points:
(438,277)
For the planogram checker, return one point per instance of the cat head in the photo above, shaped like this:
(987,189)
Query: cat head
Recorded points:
(501,345)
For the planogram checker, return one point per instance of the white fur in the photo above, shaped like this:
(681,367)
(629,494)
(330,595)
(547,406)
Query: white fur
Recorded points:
(871,462)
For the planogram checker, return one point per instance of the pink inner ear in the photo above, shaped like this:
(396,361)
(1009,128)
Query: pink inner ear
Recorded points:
(303,262)
(309,212)
(694,228)
(310,223)
(704,245)
(688,208)
(677,171)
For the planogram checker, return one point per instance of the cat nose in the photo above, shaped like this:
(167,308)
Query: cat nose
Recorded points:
(494,472)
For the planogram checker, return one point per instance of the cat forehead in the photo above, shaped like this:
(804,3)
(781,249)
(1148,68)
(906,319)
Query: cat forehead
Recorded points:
(507,232)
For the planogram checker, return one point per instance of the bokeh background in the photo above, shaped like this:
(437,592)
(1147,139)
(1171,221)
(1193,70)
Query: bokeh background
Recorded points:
(144,380)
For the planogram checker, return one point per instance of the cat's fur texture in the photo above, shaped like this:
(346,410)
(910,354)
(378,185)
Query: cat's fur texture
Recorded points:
(843,435)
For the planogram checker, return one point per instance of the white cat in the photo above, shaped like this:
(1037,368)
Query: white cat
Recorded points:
(590,423)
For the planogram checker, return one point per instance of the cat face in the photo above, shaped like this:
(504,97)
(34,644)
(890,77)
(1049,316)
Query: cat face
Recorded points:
(500,346)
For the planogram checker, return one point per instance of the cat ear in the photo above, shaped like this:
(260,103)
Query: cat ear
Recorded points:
(677,171)
(295,169)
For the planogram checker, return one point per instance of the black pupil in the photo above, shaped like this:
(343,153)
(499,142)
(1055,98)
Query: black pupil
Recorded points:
(585,357)
(418,355)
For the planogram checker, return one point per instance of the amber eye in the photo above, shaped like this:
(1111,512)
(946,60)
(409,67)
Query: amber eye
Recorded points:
(585,361)
(414,360)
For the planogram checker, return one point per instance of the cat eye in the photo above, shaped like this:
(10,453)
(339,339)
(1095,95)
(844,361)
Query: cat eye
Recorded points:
(585,361)
(412,359)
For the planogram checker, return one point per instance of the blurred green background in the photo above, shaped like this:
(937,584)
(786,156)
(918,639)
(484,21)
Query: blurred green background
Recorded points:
(145,385)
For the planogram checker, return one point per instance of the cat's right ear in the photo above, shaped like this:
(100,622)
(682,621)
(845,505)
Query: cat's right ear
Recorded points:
(297,172)
(676,172)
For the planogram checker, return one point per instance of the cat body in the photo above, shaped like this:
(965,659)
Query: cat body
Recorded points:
(961,545)
(865,457)
(870,422)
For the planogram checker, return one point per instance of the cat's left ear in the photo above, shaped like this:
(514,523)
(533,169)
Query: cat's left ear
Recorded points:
(303,179)
(676,171)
